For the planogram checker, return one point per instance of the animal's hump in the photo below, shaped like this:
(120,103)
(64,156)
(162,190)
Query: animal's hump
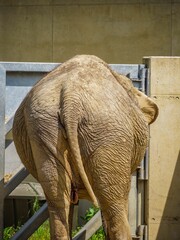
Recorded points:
(89,61)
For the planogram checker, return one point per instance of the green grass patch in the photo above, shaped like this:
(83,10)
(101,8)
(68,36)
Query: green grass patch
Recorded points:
(43,232)
(9,232)
(99,235)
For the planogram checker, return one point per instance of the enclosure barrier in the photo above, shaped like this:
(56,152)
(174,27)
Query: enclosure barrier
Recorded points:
(16,79)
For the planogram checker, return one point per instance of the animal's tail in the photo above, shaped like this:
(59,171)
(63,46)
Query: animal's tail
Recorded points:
(74,145)
(69,118)
(22,142)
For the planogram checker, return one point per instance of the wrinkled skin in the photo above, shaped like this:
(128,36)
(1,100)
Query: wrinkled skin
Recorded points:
(84,127)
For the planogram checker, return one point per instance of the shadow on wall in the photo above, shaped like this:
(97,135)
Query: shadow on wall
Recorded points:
(170,222)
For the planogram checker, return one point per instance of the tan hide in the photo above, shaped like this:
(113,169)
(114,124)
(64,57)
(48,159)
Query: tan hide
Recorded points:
(148,107)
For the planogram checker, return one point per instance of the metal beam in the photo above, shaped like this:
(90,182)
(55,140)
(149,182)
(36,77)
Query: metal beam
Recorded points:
(32,224)
(9,125)
(90,228)
(15,181)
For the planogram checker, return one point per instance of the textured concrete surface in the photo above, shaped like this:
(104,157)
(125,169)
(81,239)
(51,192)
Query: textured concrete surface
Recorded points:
(119,31)
(176,29)
(163,198)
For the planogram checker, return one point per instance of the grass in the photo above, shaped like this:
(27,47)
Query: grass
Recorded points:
(99,235)
(9,232)
(43,232)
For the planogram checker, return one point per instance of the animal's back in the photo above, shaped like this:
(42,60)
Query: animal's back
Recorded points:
(85,79)
(37,116)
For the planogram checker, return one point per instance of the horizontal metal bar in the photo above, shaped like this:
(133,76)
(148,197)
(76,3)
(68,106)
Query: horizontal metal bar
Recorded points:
(90,228)
(28,67)
(15,181)
(135,237)
(32,224)
(131,69)
(136,80)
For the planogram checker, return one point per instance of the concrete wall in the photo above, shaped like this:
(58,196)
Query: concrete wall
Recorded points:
(119,31)
(163,198)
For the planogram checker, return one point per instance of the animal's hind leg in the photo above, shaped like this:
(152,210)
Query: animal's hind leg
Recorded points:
(56,184)
(111,183)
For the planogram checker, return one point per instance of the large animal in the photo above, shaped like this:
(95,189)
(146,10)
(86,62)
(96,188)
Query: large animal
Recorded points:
(81,132)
